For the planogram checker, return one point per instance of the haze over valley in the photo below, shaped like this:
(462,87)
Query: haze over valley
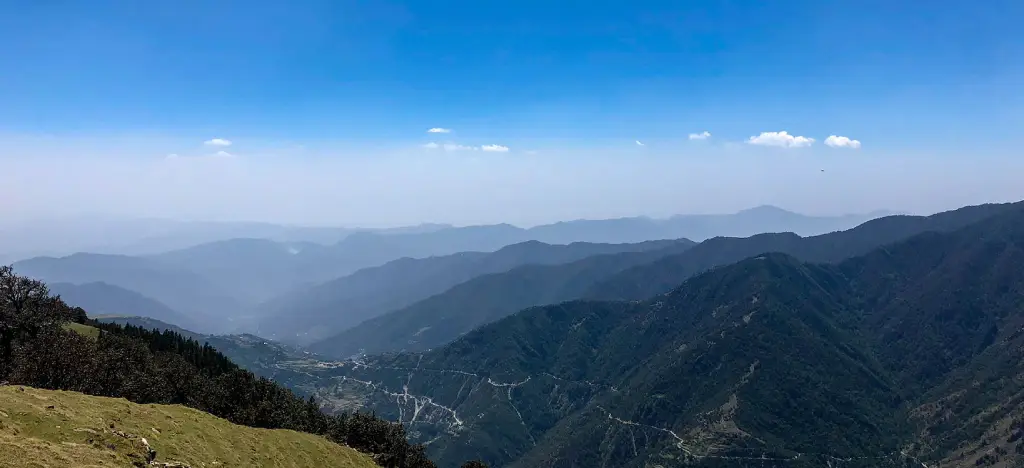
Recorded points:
(238,283)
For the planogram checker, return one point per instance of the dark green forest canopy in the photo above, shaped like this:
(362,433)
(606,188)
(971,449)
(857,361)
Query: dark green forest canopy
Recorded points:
(440,319)
(771,358)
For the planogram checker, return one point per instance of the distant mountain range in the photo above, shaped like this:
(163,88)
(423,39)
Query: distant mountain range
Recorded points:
(260,269)
(129,236)
(255,270)
(312,314)
(906,355)
(179,289)
(106,300)
(221,285)
(442,318)
(141,236)
(747,222)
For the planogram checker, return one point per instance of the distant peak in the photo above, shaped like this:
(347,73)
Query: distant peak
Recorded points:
(765,209)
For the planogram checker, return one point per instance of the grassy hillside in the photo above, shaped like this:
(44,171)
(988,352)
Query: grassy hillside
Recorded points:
(83,329)
(54,428)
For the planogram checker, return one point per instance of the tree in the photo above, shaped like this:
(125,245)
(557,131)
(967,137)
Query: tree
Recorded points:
(26,310)
(78,315)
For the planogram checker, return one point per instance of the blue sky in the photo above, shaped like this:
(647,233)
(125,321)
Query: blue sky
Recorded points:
(936,83)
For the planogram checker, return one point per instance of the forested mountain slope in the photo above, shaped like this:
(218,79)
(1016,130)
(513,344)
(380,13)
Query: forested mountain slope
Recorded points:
(313,313)
(631,276)
(767,362)
(644,281)
(441,318)
(219,284)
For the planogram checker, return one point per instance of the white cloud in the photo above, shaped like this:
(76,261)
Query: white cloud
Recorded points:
(458,147)
(439,130)
(780,139)
(199,157)
(217,142)
(700,136)
(495,148)
(640,144)
(842,142)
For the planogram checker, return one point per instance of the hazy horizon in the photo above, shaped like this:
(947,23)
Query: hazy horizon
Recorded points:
(523,190)
(399,113)
(105,217)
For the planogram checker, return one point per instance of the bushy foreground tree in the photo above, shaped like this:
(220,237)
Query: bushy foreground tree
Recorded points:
(26,311)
